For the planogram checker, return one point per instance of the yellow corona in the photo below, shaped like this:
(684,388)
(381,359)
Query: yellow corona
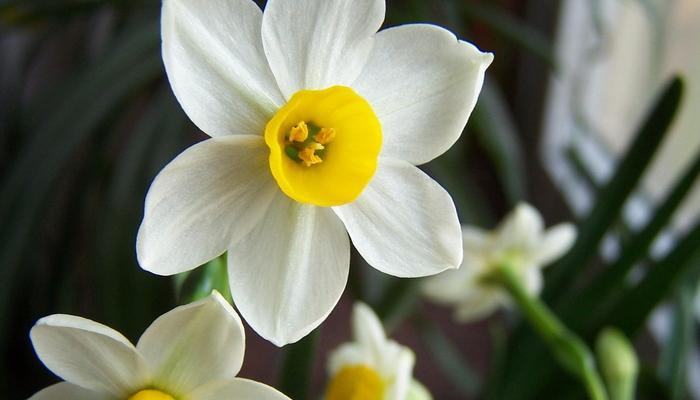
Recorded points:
(356,383)
(324,146)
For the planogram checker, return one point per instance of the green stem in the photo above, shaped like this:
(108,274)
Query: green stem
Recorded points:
(569,350)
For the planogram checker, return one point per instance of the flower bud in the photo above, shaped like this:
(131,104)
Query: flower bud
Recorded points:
(618,363)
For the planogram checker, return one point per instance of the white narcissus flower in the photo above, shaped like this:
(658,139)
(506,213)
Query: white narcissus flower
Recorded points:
(316,122)
(372,367)
(190,353)
(520,241)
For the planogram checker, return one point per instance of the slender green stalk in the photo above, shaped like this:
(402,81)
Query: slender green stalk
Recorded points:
(297,367)
(569,350)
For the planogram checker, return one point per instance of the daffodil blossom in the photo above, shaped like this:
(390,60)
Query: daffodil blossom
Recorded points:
(190,353)
(519,241)
(372,367)
(317,122)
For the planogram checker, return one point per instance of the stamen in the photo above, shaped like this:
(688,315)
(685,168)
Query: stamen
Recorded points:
(299,132)
(308,155)
(325,135)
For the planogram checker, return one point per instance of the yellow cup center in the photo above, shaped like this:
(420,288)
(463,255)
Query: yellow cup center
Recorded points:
(324,146)
(356,382)
(151,394)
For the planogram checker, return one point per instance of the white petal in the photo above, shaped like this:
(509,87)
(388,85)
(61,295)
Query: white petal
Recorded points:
(314,44)
(404,223)
(88,354)
(367,328)
(423,84)
(349,354)
(401,360)
(479,306)
(289,272)
(69,391)
(533,281)
(418,392)
(216,65)
(521,229)
(237,389)
(556,241)
(194,344)
(203,201)
(450,286)
(476,240)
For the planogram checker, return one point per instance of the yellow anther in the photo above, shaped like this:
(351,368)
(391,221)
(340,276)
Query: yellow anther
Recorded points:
(299,132)
(150,394)
(308,154)
(325,135)
(356,382)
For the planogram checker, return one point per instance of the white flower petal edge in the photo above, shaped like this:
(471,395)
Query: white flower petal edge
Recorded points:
(313,44)
(423,84)
(521,229)
(290,271)
(69,391)
(237,389)
(404,223)
(194,344)
(447,286)
(89,354)
(402,360)
(216,65)
(475,240)
(371,348)
(367,328)
(418,392)
(557,240)
(208,197)
(476,308)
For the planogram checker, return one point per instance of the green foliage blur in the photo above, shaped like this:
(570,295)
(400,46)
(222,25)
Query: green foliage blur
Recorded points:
(88,119)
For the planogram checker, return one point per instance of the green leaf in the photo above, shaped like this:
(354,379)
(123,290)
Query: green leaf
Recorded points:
(495,130)
(450,171)
(443,351)
(97,94)
(128,297)
(611,198)
(200,282)
(611,279)
(397,301)
(636,303)
(673,366)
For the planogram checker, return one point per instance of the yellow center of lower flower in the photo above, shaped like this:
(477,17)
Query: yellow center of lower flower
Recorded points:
(324,146)
(356,382)
(150,394)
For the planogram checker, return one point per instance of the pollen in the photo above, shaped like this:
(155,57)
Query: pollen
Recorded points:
(325,136)
(305,143)
(299,132)
(357,382)
(308,154)
(151,394)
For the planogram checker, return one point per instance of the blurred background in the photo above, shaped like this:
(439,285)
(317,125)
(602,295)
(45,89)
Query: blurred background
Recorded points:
(87,119)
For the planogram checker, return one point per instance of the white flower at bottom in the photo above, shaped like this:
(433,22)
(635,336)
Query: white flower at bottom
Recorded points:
(372,367)
(520,241)
(190,353)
